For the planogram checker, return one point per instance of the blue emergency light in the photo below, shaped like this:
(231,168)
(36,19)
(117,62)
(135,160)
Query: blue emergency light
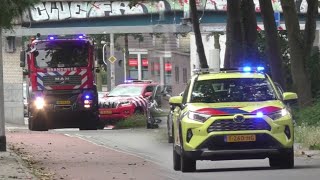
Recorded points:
(246,69)
(51,38)
(250,69)
(259,114)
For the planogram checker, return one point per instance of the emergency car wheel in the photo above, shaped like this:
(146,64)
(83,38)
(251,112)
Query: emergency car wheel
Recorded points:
(37,123)
(284,161)
(187,164)
(176,159)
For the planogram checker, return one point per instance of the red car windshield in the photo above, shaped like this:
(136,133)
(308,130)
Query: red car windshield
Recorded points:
(55,54)
(126,91)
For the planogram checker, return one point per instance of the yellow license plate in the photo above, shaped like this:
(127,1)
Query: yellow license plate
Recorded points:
(240,138)
(63,102)
(105,112)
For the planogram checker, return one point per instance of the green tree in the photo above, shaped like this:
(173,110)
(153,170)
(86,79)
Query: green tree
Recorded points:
(9,9)
(300,46)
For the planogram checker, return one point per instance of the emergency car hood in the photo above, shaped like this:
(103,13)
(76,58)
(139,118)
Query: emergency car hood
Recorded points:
(265,107)
(119,99)
(137,100)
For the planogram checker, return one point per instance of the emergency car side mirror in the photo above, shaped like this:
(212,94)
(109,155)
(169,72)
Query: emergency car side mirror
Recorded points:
(22,59)
(176,101)
(290,98)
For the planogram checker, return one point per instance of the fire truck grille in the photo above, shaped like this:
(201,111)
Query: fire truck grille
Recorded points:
(61,80)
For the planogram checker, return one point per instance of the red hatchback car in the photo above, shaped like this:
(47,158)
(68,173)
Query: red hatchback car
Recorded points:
(125,100)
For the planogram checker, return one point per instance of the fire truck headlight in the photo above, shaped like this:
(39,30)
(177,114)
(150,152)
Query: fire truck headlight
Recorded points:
(39,102)
(87,103)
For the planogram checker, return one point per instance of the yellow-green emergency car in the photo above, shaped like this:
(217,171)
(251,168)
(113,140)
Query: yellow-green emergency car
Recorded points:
(232,115)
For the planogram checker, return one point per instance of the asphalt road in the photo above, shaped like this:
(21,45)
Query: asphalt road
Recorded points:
(152,145)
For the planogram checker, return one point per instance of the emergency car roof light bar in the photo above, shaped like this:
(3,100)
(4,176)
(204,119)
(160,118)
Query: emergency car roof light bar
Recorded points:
(138,81)
(247,69)
(142,81)
(205,70)
(51,37)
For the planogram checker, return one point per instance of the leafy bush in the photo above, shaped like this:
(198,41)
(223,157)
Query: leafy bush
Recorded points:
(137,120)
(309,116)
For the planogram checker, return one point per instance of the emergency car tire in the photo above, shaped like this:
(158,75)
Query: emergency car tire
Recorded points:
(187,164)
(176,160)
(37,124)
(170,137)
(284,161)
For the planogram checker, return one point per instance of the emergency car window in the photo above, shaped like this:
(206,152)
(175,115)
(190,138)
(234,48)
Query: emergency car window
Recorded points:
(126,91)
(61,54)
(149,89)
(232,90)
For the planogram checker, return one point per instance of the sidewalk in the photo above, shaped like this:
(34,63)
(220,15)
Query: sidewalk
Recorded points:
(59,156)
(11,167)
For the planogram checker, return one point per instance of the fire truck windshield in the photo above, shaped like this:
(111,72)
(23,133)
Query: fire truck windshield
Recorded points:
(61,54)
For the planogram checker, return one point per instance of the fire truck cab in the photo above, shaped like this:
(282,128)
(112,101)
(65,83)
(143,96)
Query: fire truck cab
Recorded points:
(60,82)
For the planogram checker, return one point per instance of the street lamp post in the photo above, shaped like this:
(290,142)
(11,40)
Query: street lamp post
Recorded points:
(2,121)
(112,66)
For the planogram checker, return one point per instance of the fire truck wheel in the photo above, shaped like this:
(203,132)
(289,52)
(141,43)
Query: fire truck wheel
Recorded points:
(90,122)
(37,123)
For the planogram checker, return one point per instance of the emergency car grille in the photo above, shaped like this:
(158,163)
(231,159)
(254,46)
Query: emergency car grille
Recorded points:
(230,125)
(61,80)
(108,104)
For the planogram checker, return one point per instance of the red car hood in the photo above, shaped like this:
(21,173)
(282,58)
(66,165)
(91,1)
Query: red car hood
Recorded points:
(137,100)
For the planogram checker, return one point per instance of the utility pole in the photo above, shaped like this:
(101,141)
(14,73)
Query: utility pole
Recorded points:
(112,73)
(2,121)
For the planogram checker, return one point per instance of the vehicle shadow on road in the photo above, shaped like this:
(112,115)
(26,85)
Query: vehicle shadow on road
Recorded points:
(255,169)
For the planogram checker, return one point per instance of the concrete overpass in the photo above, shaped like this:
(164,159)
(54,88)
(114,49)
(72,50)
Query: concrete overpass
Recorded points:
(103,16)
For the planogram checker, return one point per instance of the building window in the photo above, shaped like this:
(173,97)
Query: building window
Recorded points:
(10,44)
(185,75)
(176,69)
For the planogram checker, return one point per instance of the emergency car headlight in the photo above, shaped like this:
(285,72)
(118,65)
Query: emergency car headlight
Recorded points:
(198,116)
(279,114)
(39,102)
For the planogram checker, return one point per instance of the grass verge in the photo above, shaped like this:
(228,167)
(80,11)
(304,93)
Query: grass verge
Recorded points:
(135,121)
(308,136)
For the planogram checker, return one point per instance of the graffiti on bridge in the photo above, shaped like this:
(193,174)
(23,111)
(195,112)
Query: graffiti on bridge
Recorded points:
(55,11)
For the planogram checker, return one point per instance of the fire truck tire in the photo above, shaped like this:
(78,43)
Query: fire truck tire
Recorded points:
(37,123)
(90,122)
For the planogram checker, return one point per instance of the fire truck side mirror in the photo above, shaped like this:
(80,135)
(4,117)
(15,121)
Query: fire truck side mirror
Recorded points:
(22,58)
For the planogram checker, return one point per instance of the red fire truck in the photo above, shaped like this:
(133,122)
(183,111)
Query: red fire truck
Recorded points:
(60,80)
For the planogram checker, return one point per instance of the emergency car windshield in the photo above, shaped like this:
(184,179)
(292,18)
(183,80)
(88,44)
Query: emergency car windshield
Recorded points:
(54,54)
(126,91)
(232,90)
